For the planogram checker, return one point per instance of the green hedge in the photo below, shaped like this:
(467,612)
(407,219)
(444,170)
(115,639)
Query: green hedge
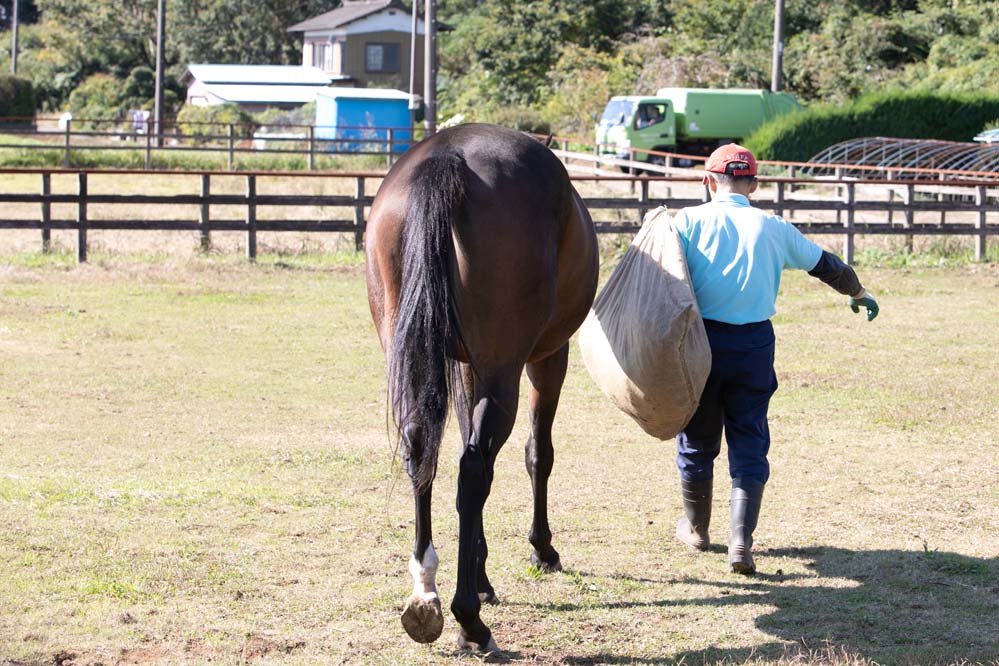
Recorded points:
(907,115)
(17,97)
(215,120)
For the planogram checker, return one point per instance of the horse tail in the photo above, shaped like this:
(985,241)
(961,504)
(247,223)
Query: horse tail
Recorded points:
(421,377)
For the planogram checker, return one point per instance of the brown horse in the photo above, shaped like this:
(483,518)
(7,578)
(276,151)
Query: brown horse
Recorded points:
(481,260)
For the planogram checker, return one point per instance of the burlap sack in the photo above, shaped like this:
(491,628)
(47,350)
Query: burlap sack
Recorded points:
(644,342)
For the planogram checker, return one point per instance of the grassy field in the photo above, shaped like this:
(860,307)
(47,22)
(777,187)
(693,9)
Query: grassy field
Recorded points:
(195,467)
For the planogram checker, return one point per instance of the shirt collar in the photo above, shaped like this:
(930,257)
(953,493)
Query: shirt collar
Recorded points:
(731,198)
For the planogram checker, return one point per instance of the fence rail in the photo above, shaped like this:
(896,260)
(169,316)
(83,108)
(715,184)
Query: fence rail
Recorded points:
(229,140)
(848,208)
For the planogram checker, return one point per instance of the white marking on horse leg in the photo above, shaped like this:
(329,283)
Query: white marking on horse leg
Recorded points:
(422,618)
(424,574)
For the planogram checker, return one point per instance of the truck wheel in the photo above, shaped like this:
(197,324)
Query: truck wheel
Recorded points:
(656,160)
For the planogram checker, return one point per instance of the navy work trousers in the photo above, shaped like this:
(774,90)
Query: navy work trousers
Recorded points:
(735,399)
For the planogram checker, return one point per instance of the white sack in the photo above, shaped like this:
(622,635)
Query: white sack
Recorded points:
(644,342)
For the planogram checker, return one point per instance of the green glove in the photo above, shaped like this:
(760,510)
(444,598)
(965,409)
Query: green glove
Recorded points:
(864,299)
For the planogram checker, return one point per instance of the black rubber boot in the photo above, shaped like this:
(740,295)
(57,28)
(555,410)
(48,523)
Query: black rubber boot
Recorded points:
(693,527)
(747,496)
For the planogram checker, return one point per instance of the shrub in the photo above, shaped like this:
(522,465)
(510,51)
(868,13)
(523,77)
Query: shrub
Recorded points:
(519,118)
(139,90)
(97,98)
(17,97)
(906,115)
(303,115)
(215,121)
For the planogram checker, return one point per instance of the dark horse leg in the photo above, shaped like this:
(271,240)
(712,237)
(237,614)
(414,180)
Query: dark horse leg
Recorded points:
(492,416)
(546,378)
(487,594)
(422,618)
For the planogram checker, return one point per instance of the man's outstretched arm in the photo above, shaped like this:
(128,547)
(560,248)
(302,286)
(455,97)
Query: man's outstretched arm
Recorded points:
(837,274)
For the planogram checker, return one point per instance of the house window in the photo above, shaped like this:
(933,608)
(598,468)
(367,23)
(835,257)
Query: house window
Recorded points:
(319,54)
(322,56)
(381,58)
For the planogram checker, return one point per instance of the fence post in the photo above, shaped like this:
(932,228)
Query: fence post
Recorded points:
(149,149)
(81,217)
(359,214)
(391,146)
(943,211)
(643,198)
(848,242)
(312,148)
(231,147)
(65,157)
(46,213)
(632,171)
(792,172)
(205,219)
(839,191)
(890,175)
(910,196)
(981,243)
(779,201)
(251,217)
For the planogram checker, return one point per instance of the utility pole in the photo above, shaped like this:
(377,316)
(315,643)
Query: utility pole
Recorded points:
(160,43)
(413,33)
(430,67)
(13,38)
(776,77)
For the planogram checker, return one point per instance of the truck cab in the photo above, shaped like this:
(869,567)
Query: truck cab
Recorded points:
(636,123)
(691,121)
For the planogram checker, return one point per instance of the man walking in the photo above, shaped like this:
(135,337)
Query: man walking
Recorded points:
(736,254)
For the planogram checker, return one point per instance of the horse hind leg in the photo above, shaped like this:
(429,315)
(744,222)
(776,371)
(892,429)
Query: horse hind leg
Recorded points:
(495,408)
(487,594)
(546,378)
(422,617)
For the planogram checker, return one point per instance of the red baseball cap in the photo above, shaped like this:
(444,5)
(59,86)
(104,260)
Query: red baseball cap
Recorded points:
(732,159)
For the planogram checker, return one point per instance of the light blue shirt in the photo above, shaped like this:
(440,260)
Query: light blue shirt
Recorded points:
(736,254)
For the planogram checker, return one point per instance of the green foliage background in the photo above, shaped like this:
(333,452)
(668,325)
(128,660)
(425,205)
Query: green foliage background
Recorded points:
(17,97)
(910,115)
(215,120)
(547,64)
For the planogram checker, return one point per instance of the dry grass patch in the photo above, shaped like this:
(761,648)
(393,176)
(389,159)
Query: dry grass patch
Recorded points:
(194,466)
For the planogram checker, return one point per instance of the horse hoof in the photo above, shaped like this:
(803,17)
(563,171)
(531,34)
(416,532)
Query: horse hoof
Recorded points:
(489,597)
(551,565)
(489,650)
(422,618)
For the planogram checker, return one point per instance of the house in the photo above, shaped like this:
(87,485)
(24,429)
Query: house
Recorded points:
(253,87)
(365,43)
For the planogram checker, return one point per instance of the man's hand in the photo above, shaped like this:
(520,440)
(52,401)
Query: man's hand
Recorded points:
(864,299)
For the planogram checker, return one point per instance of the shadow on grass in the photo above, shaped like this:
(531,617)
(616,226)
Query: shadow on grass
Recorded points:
(886,606)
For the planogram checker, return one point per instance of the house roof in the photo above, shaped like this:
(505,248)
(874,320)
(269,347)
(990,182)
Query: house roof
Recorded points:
(350,11)
(257,75)
(363,93)
(249,94)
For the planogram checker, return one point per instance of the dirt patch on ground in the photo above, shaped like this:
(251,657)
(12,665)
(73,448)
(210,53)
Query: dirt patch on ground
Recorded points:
(152,654)
(257,646)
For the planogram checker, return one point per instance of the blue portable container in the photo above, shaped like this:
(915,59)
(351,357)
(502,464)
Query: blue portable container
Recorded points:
(360,119)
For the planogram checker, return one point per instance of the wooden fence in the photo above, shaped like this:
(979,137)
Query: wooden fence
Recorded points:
(224,140)
(847,208)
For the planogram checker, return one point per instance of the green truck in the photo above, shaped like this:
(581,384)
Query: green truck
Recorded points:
(690,121)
